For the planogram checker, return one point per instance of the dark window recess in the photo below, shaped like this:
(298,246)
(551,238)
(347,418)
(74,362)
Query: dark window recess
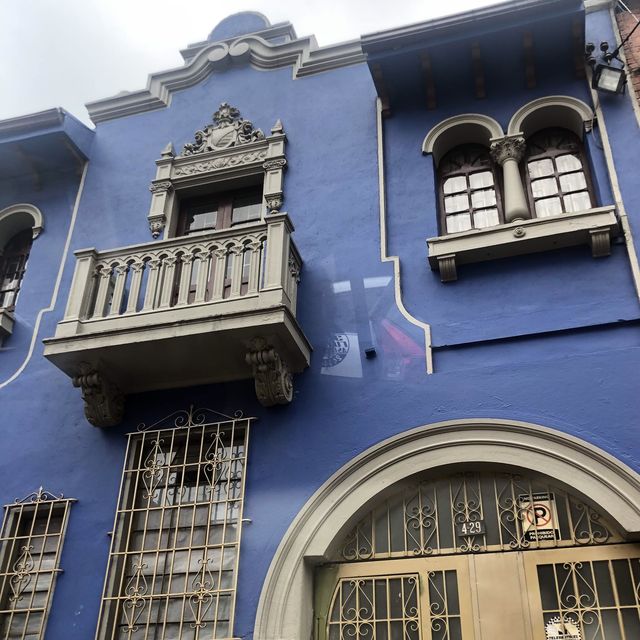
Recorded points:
(468,195)
(557,176)
(13,263)
(220,210)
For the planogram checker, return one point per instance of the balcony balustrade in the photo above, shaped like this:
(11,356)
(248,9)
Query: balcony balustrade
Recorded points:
(200,309)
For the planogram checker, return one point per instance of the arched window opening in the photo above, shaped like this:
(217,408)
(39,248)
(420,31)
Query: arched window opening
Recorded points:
(13,264)
(469,198)
(557,174)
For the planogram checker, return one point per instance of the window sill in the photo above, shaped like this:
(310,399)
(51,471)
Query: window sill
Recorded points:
(593,227)
(6,323)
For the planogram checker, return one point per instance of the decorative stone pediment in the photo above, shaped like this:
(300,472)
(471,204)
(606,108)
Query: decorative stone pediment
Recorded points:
(228,150)
(228,129)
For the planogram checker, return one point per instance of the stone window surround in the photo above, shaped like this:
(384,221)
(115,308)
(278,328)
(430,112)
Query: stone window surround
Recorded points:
(178,175)
(14,219)
(594,226)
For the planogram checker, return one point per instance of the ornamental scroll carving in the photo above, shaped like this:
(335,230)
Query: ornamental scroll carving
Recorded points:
(103,402)
(228,129)
(220,163)
(273,381)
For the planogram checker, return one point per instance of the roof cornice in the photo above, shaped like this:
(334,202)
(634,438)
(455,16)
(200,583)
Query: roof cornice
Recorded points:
(32,122)
(466,23)
(303,54)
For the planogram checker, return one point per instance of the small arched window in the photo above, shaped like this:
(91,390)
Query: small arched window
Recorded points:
(468,195)
(13,263)
(557,174)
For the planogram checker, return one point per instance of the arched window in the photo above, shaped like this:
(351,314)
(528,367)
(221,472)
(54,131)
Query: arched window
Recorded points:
(13,263)
(557,174)
(468,195)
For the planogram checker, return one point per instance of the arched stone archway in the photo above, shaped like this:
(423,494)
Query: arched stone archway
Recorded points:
(285,609)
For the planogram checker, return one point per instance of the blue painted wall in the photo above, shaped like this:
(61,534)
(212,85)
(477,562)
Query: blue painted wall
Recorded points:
(549,338)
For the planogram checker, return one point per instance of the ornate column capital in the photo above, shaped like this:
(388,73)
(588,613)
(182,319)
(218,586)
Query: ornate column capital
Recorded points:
(508,148)
(103,402)
(273,381)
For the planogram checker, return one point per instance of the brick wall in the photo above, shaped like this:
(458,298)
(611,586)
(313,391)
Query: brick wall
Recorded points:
(626,22)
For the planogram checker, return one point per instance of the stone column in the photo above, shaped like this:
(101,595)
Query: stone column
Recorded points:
(508,152)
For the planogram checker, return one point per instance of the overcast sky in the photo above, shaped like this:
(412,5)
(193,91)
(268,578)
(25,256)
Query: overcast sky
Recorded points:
(68,52)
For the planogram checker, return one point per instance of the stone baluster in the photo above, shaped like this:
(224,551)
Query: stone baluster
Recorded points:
(202,259)
(254,268)
(218,277)
(237,256)
(152,284)
(134,287)
(103,273)
(121,271)
(185,278)
(168,279)
(508,152)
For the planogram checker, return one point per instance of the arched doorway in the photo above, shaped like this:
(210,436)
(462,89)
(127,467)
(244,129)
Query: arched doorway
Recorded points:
(574,470)
(479,553)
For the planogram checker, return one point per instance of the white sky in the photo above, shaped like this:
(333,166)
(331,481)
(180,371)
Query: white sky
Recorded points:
(68,52)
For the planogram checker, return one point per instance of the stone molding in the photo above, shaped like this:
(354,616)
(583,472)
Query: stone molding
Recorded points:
(285,606)
(103,402)
(303,54)
(15,210)
(462,129)
(220,163)
(273,380)
(551,111)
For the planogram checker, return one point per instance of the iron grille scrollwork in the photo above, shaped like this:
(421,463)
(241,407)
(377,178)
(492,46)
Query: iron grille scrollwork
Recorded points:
(475,512)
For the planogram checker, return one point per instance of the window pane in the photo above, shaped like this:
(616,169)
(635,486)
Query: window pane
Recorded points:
(453,204)
(573,182)
(484,198)
(460,222)
(247,206)
(544,187)
(577,201)
(454,185)
(480,180)
(201,221)
(568,163)
(485,218)
(548,207)
(540,168)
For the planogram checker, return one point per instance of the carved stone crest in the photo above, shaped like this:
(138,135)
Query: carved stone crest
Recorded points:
(273,381)
(228,129)
(103,402)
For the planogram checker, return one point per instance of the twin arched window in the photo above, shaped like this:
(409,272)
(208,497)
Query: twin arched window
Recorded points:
(555,171)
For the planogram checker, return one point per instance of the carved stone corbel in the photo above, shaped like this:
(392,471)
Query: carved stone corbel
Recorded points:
(156,225)
(103,402)
(273,381)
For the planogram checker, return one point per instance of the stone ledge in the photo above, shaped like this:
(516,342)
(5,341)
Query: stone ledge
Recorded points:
(593,227)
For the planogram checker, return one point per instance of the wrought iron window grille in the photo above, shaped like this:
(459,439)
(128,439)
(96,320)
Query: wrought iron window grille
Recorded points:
(33,532)
(174,555)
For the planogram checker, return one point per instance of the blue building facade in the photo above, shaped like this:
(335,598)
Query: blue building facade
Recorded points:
(379,315)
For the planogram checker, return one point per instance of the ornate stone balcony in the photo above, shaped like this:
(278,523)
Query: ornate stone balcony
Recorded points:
(205,308)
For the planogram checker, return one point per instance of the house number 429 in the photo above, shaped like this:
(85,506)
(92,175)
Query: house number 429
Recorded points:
(470,528)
